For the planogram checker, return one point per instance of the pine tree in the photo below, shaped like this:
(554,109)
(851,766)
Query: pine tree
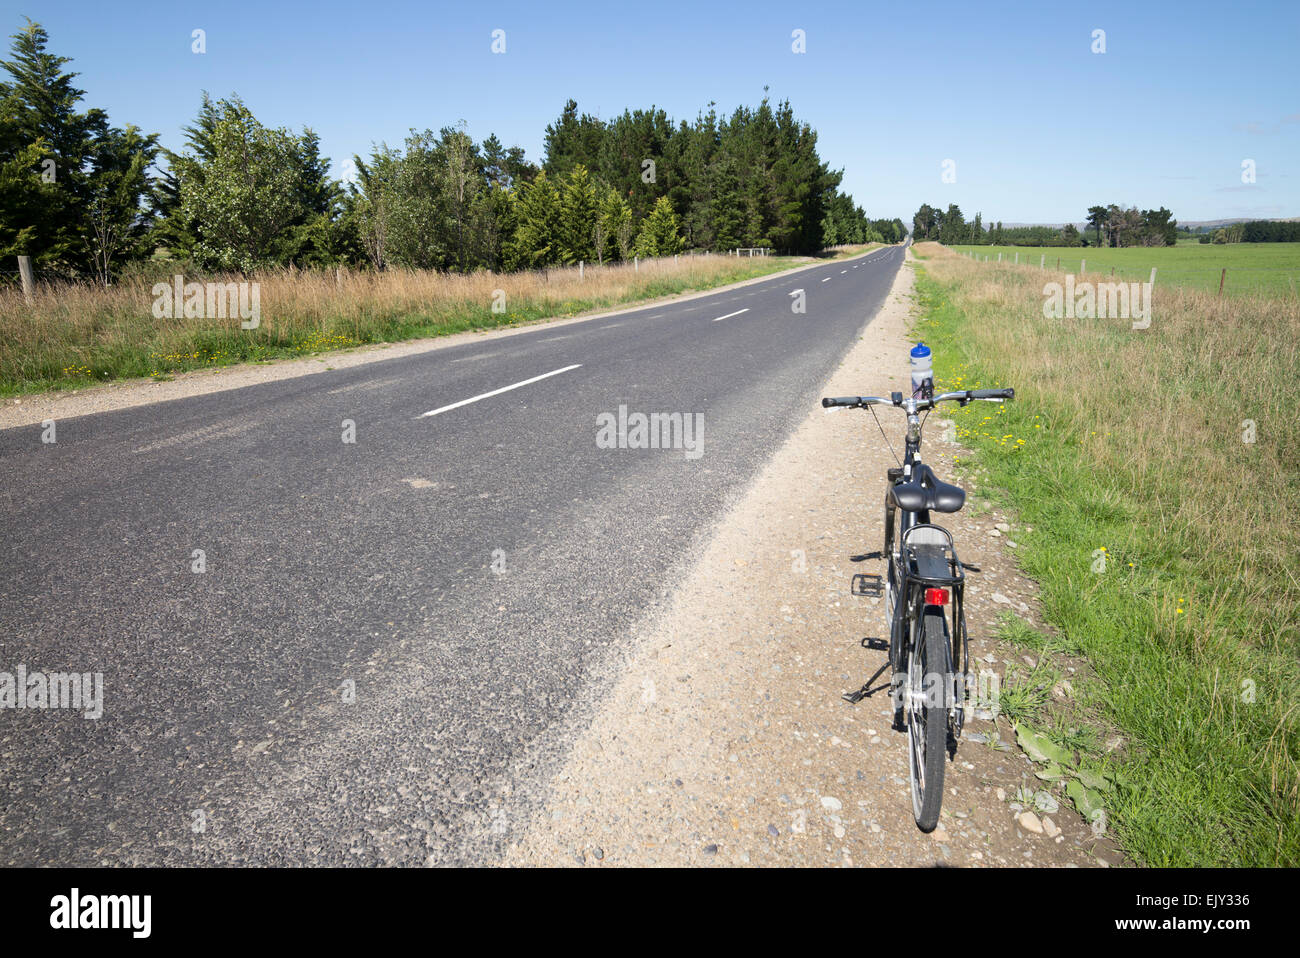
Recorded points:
(659,233)
(92,175)
(578,217)
(538,236)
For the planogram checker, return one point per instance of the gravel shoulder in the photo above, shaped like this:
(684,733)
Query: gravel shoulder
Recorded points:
(726,740)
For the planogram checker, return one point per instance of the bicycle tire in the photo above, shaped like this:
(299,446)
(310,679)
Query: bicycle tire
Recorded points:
(928,727)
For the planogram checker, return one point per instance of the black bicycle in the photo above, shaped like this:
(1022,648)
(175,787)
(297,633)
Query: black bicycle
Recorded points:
(923,578)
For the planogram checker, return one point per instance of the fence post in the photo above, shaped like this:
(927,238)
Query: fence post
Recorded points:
(25,271)
(1153,277)
(580,265)
(1222,277)
(1042,261)
(1058,263)
(636,264)
(1082,263)
(1017,257)
(999,257)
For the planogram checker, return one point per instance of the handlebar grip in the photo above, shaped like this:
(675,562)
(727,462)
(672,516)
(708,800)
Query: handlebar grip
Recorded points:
(1007,393)
(829,402)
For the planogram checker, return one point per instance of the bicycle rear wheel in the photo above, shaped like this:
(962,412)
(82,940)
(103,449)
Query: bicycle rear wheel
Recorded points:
(927,718)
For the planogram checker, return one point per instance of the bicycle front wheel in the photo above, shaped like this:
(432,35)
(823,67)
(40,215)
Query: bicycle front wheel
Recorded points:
(927,718)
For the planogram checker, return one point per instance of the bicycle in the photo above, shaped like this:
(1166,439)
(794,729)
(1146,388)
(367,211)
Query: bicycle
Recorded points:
(922,569)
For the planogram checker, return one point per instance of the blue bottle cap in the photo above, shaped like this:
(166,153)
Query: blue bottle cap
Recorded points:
(920,351)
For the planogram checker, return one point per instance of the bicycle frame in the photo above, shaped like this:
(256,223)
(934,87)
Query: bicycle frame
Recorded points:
(906,579)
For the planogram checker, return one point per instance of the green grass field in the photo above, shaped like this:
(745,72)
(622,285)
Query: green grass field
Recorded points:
(1272,268)
(1156,492)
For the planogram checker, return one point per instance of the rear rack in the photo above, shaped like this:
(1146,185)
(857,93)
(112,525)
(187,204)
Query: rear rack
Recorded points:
(931,559)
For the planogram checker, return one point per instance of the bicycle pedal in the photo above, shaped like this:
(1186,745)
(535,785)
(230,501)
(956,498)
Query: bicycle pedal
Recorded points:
(868,584)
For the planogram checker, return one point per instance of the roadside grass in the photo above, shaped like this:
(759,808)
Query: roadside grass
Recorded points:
(75,335)
(1270,268)
(1016,631)
(1167,548)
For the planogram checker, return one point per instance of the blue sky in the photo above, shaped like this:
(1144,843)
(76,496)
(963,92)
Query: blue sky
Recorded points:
(1039,127)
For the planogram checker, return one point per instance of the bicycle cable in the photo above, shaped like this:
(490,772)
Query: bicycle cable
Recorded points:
(882,433)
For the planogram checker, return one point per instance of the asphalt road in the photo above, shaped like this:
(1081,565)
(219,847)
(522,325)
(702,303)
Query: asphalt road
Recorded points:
(393,639)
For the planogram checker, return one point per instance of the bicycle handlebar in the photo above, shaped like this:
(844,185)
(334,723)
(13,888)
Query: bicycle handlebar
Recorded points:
(964,396)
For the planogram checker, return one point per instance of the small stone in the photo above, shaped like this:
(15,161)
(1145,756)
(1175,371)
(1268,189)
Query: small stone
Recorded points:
(839,831)
(773,831)
(1030,823)
(875,827)
(710,849)
(831,804)
(599,854)
(1002,527)
(1050,827)
(1001,599)
(995,534)
(1002,794)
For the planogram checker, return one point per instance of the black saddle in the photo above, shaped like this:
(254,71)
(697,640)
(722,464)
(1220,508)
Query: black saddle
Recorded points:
(926,491)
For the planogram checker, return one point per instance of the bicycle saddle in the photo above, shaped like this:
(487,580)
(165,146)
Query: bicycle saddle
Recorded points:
(925,491)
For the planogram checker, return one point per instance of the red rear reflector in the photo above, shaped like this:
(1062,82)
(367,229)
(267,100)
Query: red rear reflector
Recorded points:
(936,596)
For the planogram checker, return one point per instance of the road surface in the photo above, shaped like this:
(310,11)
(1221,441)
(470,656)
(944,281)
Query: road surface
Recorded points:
(393,639)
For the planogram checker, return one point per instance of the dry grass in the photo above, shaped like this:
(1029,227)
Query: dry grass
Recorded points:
(74,333)
(1134,441)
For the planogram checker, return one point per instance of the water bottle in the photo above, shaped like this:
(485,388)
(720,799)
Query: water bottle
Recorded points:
(922,373)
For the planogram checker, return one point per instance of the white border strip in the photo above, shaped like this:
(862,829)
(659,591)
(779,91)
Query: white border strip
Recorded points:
(498,392)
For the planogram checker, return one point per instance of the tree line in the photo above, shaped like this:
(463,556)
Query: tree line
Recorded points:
(1255,231)
(1112,226)
(83,197)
